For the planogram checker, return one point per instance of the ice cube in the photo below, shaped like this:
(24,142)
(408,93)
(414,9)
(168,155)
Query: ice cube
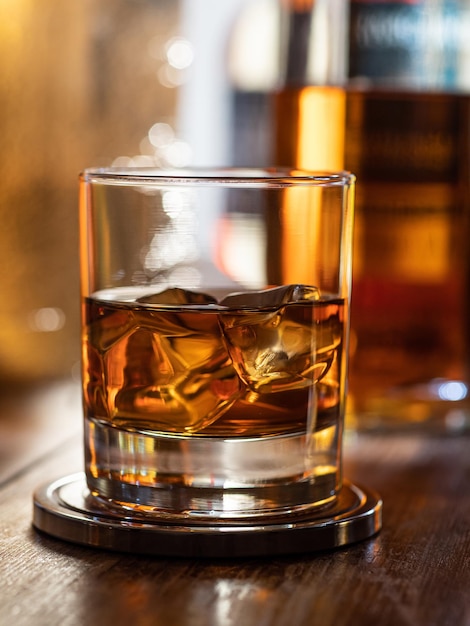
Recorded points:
(172,373)
(177,297)
(290,347)
(271,298)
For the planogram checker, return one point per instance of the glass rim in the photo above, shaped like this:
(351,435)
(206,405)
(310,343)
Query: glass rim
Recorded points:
(217,176)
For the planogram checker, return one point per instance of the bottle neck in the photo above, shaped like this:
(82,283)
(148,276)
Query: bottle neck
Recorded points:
(314,42)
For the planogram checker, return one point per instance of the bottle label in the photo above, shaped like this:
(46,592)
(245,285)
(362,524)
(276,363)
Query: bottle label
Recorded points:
(415,44)
(406,137)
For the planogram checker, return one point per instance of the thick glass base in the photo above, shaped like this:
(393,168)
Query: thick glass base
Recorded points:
(211,477)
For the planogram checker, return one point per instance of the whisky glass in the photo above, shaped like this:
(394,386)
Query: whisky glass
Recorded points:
(215,317)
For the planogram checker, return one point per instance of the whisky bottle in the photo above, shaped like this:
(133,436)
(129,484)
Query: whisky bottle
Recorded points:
(408,142)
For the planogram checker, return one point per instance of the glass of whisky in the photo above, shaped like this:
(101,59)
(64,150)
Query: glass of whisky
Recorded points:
(215,320)
(215,327)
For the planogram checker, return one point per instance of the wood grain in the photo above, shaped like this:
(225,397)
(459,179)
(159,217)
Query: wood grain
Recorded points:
(415,572)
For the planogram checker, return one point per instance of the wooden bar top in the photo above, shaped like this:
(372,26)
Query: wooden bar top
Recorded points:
(416,572)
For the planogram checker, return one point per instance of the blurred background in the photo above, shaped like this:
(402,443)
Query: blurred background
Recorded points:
(81,84)
(378,87)
(102,82)
(91,83)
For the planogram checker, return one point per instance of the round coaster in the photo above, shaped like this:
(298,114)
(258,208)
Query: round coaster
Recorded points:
(65,510)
